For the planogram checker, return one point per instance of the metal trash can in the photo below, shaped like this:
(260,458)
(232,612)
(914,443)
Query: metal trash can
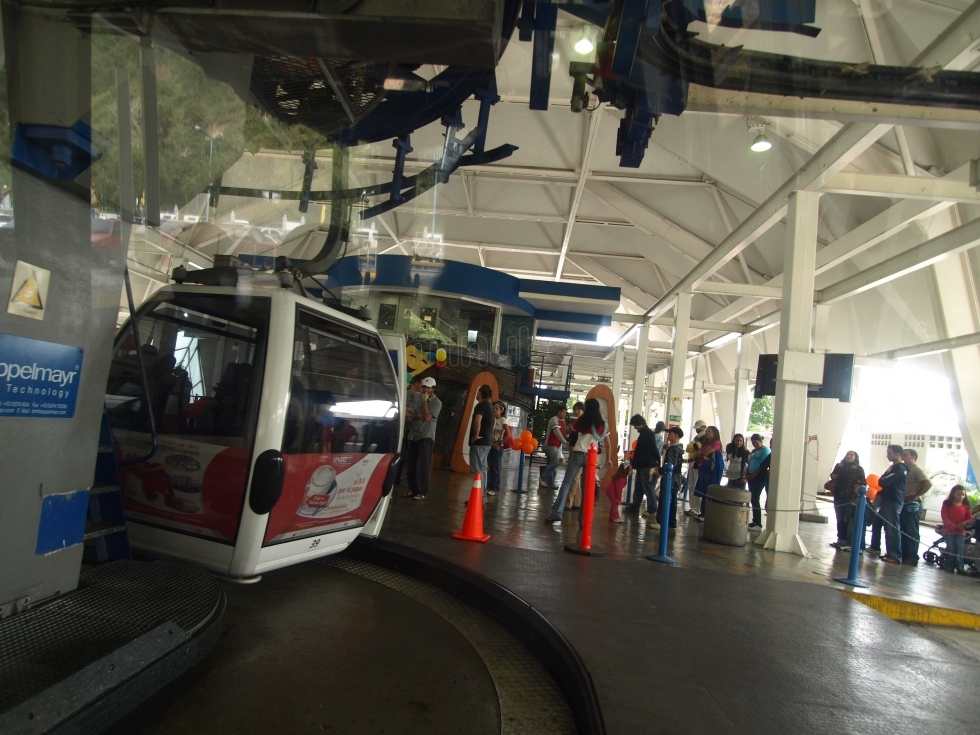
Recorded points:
(726,517)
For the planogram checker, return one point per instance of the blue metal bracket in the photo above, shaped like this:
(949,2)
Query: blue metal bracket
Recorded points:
(402,146)
(639,17)
(57,152)
(525,26)
(545,20)
(309,160)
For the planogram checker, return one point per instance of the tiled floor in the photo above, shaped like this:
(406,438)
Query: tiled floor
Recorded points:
(516,520)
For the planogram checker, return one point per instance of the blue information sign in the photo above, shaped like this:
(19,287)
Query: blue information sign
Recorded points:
(38,378)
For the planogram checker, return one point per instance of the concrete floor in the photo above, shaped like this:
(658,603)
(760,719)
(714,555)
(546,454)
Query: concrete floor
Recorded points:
(731,640)
(516,520)
(313,649)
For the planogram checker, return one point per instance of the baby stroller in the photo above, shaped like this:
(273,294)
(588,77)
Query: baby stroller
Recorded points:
(937,554)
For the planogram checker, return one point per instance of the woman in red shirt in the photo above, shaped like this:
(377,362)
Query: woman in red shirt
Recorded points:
(956,516)
(614,491)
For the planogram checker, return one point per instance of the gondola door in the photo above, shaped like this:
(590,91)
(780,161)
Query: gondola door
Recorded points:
(341,429)
(185,440)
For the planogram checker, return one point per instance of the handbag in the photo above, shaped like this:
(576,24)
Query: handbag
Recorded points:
(508,442)
(829,485)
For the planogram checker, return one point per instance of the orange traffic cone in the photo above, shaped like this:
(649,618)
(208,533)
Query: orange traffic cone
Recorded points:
(473,523)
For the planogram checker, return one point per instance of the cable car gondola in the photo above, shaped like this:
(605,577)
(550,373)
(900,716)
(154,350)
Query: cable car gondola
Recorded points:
(255,427)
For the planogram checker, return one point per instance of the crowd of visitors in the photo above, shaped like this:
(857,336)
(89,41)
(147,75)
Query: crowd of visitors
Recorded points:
(894,507)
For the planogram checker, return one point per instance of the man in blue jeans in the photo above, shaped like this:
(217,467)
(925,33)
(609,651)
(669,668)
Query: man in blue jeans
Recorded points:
(915,488)
(892,494)
(480,435)
(554,440)
(646,464)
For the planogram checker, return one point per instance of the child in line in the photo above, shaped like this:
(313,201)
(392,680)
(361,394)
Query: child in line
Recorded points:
(614,491)
(956,517)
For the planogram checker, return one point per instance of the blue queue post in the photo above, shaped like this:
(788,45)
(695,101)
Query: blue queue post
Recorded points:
(856,538)
(520,474)
(629,490)
(666,493)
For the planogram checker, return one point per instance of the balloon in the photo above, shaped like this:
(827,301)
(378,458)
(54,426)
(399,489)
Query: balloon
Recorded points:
(873,483)
(440,364)
(872,492)
(534,444)
(441,354)
(525,435)
(432,357)
(634,443)
(527,447)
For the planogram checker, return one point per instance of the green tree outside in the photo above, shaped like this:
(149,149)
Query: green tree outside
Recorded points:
(761,415)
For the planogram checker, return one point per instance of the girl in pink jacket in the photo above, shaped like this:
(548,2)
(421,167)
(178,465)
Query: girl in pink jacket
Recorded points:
(956,516)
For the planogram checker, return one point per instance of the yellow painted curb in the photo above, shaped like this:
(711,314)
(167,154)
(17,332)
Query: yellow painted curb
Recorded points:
(916,612)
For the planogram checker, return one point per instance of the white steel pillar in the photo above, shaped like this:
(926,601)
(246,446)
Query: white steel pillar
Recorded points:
(678,360)
(798,367)
(617,382)
(812,480)
(640,373)
(697,393)
(743,402)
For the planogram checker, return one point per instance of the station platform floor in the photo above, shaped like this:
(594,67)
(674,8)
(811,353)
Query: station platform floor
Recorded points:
(517,521)
(731,640)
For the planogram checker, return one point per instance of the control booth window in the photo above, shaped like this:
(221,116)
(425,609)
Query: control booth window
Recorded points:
(343,397)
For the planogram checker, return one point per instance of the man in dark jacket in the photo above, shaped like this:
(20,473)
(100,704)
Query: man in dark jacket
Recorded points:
(646,465)
(673,455)
(893,482)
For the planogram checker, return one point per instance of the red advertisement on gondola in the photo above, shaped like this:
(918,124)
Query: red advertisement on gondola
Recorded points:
(187,485)
(326,492)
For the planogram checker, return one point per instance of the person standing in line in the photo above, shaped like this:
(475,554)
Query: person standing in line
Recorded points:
(658,432)
(693,449)
(423,437)
(673,455)
(916,487)
(412,408)
(736,461)
(846,477)
(554,440)
(956,517)
(502,438)
(575,494)
(756,476)
(591,430)
(614,491)
(481,433)
(893,482)
(646,464)
(711,466)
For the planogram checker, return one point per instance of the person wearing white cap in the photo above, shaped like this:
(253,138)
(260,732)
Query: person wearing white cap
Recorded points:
(693,449)
(421,437)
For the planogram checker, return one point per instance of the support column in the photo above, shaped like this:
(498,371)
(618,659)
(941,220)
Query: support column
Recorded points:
(812,477)
(798,367)
(740,410)
(47,63)
(697,393)
(640,373)
(678,360)
(151,132)
(617,382)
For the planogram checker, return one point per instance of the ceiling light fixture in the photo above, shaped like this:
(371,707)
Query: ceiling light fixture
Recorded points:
(761,143)
(584,45)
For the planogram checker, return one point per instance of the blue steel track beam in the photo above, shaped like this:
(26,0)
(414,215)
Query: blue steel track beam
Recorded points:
(545,20)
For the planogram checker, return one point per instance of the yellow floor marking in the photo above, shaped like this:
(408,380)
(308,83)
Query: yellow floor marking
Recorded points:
(916,612)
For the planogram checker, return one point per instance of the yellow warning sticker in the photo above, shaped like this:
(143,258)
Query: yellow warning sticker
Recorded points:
(29,291)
